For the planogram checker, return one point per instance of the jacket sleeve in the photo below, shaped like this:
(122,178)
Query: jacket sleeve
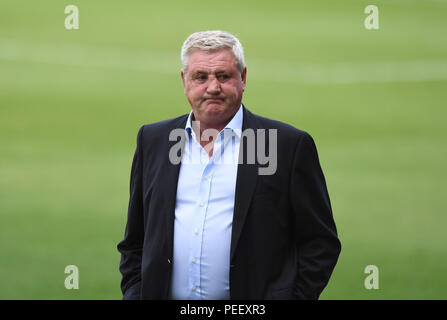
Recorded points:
(131,247)
(317,243)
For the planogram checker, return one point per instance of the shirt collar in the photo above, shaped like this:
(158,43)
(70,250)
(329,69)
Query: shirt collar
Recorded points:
(235,123)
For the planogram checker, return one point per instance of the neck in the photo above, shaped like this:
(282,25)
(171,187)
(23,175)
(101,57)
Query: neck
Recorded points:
(207,136)
(208,133)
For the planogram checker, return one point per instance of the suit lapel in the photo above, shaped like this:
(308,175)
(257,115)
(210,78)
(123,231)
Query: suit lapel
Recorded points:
(245,185)
(170,180)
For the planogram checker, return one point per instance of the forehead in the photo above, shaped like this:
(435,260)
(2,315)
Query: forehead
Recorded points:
(221,59)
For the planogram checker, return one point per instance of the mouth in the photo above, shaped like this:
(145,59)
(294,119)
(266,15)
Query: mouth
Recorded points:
(214,100)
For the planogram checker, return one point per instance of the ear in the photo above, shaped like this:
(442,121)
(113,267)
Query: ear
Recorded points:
(244,78)
(183,75)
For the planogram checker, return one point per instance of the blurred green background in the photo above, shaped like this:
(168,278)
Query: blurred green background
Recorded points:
(72,101)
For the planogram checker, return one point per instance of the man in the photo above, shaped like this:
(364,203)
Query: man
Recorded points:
(206,228)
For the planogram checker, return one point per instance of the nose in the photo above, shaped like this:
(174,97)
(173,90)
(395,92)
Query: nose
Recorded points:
(214,86)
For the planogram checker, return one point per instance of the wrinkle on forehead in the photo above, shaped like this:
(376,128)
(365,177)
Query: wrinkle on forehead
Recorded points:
(211,60)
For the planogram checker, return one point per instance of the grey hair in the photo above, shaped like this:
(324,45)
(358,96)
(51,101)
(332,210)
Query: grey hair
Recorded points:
(213,40)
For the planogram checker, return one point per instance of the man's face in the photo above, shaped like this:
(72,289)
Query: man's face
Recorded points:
(213,86)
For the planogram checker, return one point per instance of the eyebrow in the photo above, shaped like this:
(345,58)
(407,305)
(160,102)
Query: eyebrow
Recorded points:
(199,72)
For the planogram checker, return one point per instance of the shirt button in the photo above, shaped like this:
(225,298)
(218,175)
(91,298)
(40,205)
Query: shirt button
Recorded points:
(201,204)
(194,260)
(194,288)
(196,231)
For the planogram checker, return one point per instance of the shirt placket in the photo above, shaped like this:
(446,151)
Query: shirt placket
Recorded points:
(206,167)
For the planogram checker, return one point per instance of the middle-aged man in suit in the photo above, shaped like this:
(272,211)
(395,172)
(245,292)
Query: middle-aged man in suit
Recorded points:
(198,227)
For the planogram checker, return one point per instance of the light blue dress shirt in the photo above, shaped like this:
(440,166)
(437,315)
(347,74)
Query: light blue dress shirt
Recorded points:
(204,215)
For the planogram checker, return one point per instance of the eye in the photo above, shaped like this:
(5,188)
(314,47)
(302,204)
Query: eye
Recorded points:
(223,77)
(200,77)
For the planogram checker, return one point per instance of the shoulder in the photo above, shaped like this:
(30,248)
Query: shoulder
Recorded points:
(293,145)
(285,131)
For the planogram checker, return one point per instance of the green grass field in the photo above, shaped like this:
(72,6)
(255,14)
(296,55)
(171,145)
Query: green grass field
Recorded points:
(71,103)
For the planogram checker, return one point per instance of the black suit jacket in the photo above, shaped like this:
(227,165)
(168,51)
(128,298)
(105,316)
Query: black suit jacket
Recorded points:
(284,242)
